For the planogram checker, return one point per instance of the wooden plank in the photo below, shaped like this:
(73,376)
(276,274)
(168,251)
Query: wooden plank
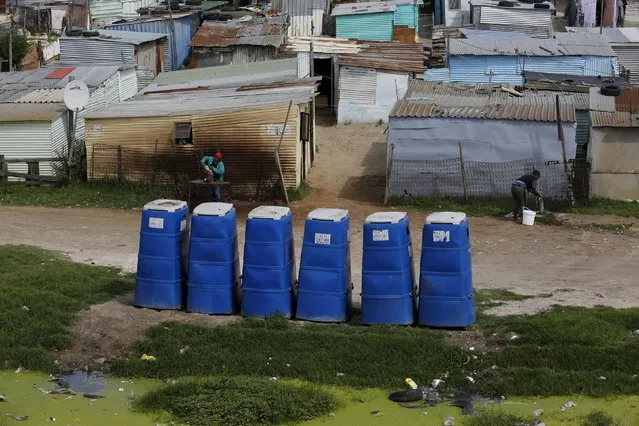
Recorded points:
(28,160)
(3,169)
(40,178)
(26,183)
(200,182)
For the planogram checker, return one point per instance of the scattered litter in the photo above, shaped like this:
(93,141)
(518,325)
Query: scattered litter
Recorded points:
(288,365)
(18,418)
(472,348)
(494,367)
(61,391)
(19,370)
(602,377)
(121,390)
(636,332)
(410,383)
(3,398)
(146,357)
(268,363)
(541,424)
(100,360)
(449,421)
(93,396)
(538,412)
(52,419)
(25,308)
(424,413)
(270,359)
(69,397)
(435,383)
(514,337)
(570,404)
(341,374)
(377,413)
(331,414)
(273,378)
(474,356)
(184,349)
(470,379)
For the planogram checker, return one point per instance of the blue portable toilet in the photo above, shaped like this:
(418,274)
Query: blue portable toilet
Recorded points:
(213,260)
(163,245)
(324,286)
(268,275)
(388,283)
(446,297)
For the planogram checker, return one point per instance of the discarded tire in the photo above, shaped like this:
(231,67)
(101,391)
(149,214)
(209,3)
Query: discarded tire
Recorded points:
(538,1)
(610,90)
(193,2)
(527,1)
(90,34)
(74,33)
(542,6)
(505,3)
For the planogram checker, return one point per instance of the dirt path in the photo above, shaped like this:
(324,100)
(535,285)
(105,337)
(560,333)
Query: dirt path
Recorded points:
(598,267)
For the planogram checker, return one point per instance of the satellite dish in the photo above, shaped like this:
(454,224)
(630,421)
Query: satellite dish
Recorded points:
(76,95)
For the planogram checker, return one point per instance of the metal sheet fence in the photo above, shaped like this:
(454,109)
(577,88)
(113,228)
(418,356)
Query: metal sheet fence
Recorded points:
(452,179)
(175,167)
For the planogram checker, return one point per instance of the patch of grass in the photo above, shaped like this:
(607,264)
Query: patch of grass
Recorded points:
(238,401)
(498,418)
(490,298)
(300,193)
(475,206)
(602,206)
(549,219)
(598,418)
(99,194)
(40,295)
(612,227)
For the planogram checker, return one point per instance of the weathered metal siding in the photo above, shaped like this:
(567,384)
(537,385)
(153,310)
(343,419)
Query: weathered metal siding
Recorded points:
(100,98)
(249,54)
(534,23)
(93,50)
(628,55)
(358,85)
(406,14)
(108,11)
(583,132)
(303,64)
(485,69)
(574,65)
(300,26)
(128,85)
(632,14)
(145,77)
(26,140)
(369,26)
(185,28)
(147,55)
(437,74)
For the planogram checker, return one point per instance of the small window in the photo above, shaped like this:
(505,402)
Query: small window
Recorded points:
(454,4)
(305,127)
(183,133)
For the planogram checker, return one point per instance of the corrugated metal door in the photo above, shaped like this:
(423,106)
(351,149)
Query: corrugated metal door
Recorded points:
(370,26)
(583,132)
(358,85)
(406,14)
(628,56)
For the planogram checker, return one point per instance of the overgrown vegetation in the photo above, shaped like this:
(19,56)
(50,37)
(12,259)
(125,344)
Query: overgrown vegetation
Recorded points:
(612,227)
(238,401)
(300,193)
(562,352)
(549,219)
(40,294)
(598,418)
(498,418)
(602,206)
(20,49)
(99,194)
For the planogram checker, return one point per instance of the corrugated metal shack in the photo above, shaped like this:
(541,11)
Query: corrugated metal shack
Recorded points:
(378,21)
(180,31)
(625,43)
(238,42)
(614,146)
(104,12)
(521,17)
(35,121)
(504,61)
(495,129)
(244,122)
(48,17)
(146,50)
(303,15)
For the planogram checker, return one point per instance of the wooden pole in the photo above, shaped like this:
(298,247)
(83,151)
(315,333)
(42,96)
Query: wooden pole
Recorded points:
(277,154)
(119,163)
(154,161)
(389,173)
(463,171)
(33,168)
(560,131)
(4,168)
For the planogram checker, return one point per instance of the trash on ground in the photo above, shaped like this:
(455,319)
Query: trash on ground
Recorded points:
(472,348)
(331,414)
(3,398)
(602,377)
(19,370)
(538,412)
(184,349)
(464,402)
(435,383)
(410,383)
(61,391)
(424,413)
(470,379)
(273,378)
(636,332)
(18,418)
(52,419)
(288,365)
(514,337)
(25,308)
(146,357)
(377,413)
(93,396)
(120,389)
(450,421)
(570,404)
(341,374)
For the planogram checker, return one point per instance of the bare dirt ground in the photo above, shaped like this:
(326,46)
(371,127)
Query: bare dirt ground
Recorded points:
(599,268)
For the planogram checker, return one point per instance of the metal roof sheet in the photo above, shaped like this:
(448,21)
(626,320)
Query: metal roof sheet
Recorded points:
(257,32)
(615,111)
(392,56)
(236,73)
(30,112)
(517,5)
(42,96)
(532,47)
(127,37)
(363,8)
(474,34)
(611,35)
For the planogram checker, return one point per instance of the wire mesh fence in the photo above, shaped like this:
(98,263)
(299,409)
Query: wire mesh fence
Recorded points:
(454,178)
(179,167)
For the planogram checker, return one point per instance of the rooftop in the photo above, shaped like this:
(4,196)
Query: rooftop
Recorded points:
(363,8)
(197,102)
(518,5)
(567,82)
(258,31)
(435,99)
(615,111)
(30,112)
(564,45)
(127,37)
(264,71)
(611,35)
(474,34)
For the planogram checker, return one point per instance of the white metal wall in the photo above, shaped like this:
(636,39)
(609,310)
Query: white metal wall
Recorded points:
(128,85)
(27,139)
(455,17)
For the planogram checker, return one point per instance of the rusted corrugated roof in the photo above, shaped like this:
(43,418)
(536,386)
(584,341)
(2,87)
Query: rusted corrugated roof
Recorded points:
(628,101)
(392,56)
(59,73)
(257,32)
(618,111)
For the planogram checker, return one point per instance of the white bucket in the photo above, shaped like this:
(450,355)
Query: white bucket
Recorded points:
(528,217)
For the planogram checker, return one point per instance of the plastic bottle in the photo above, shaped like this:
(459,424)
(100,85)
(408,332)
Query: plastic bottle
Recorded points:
(411,384)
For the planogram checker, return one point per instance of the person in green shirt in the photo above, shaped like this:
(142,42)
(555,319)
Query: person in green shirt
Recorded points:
(215,167)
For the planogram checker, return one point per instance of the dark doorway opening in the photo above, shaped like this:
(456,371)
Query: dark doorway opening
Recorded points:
(325,102)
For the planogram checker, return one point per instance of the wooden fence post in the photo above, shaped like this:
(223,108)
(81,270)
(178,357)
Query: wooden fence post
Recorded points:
(119,164)
(463,171)
(33,168)
(389,173)
(4,167)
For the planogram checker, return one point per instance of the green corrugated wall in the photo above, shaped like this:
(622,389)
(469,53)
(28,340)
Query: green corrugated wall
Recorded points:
(369,26)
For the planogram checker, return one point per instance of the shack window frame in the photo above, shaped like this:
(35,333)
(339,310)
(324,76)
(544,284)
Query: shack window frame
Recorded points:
(179,130)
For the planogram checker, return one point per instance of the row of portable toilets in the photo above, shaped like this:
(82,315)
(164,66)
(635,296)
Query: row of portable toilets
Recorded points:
(268,284)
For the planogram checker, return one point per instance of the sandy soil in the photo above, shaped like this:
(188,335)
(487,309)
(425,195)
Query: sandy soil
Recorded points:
(598,267)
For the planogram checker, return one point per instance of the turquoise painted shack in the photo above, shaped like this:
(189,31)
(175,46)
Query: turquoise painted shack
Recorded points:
(375,21)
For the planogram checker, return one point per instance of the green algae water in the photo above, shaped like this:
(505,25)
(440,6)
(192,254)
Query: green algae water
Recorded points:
(27,395)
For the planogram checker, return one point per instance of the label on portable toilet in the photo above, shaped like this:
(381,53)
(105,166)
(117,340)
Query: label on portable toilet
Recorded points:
(380,235)
(183,225)
(441,236)
(323,239)
(156,223)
